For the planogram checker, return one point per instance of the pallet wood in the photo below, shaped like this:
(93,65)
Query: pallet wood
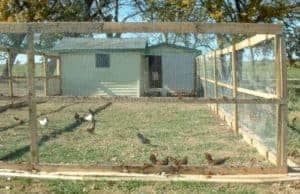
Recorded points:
(113,27)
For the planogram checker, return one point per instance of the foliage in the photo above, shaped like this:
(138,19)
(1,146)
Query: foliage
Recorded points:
(256,11)
(176,11)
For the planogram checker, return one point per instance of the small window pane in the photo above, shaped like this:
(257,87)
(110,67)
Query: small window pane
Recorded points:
(102,60)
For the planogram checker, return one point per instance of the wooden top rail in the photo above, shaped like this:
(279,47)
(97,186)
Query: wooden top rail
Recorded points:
(254,40)
(109,27)
(243,90)
(219,100)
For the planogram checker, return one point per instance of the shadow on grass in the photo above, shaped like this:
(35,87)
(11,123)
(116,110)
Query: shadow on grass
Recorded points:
(70,128)
(23,150)
(42,114)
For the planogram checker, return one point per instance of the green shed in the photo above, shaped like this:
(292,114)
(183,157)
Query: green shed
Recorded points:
(124,67)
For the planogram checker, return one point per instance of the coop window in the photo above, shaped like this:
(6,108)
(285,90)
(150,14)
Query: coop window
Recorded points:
(102,60)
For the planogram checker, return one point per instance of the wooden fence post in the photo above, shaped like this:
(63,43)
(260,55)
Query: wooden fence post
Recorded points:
(45,66)
(216,79)
(195,77)
(59,71)
(281,92)
(10,75)
(234,90)
(205,82)
(32,100)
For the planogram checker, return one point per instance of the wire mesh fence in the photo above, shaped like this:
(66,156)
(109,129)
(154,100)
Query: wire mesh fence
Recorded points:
(95,64)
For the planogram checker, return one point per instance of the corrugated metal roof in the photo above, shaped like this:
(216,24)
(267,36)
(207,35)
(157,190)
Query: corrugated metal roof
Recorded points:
(97,43)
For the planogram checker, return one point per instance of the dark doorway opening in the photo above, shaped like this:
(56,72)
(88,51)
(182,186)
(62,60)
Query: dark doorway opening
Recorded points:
(155,72)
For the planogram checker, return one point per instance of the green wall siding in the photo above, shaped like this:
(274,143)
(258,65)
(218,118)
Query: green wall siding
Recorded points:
(82,78)
(177,67)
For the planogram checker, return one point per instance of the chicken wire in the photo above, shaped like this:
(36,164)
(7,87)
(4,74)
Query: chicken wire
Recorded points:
(256,71)
(82,77)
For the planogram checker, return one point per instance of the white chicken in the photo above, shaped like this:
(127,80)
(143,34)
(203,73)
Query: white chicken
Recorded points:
(43,121)
(88,117)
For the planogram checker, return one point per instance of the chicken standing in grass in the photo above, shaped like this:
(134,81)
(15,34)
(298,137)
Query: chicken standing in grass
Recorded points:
(180,162)
(88,117)
(212,161)
(20,121)
(143,139)
(77,117)
(155,161)
(44,121)
(92,112)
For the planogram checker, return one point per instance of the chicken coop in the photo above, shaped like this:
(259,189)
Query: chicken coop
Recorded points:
(142,100)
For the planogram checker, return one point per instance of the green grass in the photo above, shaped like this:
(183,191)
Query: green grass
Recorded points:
(293,73)
(294,133)
(20,185)
(175,129)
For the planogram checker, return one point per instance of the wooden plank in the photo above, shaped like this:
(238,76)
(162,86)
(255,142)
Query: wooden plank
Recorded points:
(256,93)
(35,77)
(59,67)
(205,82)
(195,77)
(45,66)
(176,27)
(251,41)
(254,40)
(234,90)
(281,73)
(215,80)
(115,176)
(279,95)
(31,100)
(244,90)
(203,169)
(220,100)
(10,74)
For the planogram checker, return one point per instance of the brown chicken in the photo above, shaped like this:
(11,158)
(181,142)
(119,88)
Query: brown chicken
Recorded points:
(20,121)
(177,162)
(92,128)
(155,161)
(77,117)
(212,161)
(179,96)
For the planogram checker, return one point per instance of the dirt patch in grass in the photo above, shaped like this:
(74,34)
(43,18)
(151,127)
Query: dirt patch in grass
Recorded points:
(174,129)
